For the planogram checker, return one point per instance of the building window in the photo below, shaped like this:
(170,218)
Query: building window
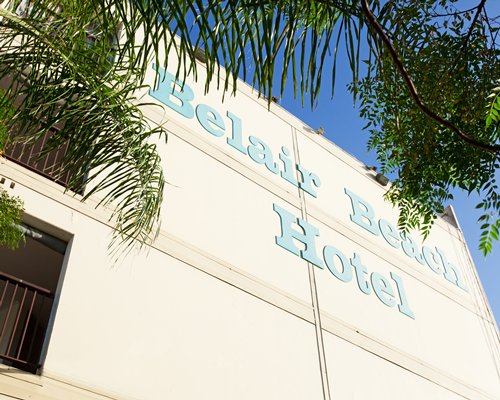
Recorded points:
(29,278)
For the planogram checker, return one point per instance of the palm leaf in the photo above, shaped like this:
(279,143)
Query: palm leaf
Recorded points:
(56,81)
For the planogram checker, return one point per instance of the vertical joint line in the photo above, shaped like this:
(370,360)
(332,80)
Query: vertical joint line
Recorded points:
(312,283)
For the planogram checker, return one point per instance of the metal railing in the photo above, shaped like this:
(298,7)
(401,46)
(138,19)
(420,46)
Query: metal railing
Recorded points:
(24,316)
(48,165)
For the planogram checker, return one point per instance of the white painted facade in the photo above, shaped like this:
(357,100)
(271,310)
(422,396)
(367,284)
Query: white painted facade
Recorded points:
(216,308)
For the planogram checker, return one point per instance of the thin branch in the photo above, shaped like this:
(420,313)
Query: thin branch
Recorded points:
(488,22)
(457,12)
(379,30)
(474,21)
(463,53)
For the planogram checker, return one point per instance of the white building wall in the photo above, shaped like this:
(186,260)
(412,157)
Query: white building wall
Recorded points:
(216,308)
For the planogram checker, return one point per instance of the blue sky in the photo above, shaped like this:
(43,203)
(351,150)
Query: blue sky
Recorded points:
(343,126)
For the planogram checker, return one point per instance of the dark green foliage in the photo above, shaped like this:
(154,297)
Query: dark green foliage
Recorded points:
(6,113)
(10,217)
(454,65)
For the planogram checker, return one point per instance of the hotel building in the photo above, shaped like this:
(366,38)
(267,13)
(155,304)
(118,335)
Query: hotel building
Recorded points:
(278,273)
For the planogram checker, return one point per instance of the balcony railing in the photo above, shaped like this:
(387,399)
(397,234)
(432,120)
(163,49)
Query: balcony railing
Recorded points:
(24,315)
(28,155)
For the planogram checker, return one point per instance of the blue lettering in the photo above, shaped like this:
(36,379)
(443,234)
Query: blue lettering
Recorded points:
(289,171)
(329,254)
(403,305)
(361,273)
(236,141)
(336,261)
(432,260)
(451,272)
(389,233)
(410,247)
(306,236)
(308,180)
(173,93)
(362,213)
(383,289)
(178,96)
(261,154)
(208,117)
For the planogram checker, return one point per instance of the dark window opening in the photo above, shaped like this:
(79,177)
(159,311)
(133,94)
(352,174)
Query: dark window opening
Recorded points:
(28,281)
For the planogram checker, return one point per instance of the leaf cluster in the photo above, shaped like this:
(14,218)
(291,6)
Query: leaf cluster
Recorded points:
(6,112)
(10,217)
(453,60)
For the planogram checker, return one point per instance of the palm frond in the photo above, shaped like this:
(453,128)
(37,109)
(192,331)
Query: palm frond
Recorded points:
(56,78)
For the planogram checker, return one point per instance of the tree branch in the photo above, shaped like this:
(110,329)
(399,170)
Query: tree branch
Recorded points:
(480,7)
(457,12)
(379,30)
(463,53)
